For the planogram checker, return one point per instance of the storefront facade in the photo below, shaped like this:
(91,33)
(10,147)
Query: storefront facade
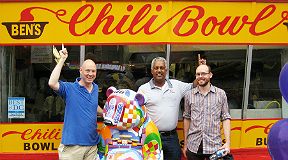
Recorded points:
(246,48)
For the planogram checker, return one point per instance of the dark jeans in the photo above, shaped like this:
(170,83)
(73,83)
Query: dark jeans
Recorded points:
(199,155)
(171,147)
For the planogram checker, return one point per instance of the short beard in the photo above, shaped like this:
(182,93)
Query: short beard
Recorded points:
(204,85)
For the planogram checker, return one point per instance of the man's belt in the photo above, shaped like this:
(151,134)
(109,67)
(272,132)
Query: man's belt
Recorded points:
(168,133)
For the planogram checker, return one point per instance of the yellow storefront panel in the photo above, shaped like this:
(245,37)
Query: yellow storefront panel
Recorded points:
(143,22)
(236,128)
(255,133)
(30,138)
(46,137)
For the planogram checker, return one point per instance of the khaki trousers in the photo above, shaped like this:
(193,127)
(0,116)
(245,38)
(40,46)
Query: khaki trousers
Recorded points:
(67,152)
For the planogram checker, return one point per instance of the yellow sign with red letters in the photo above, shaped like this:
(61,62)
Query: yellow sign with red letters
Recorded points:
(100,22)
(244,133)
(45,137)
(30,138)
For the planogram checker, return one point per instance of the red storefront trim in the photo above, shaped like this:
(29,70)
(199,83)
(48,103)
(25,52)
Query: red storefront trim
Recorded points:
(29,156)
(262,1)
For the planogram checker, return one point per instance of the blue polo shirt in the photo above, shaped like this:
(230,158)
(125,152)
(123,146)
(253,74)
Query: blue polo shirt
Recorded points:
(80,119)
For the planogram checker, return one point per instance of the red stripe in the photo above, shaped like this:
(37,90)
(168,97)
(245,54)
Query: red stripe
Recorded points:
(29,156)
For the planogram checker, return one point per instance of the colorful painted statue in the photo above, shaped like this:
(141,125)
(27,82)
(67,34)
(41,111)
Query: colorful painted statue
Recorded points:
(133,134)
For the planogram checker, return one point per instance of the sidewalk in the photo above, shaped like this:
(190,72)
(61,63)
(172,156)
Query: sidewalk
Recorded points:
(239,154)
(251,154)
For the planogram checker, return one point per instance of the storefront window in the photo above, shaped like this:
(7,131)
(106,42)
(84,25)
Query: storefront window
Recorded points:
(227,65)
(110,67)
(139,61)
(33,66)
(264,89)
(5,63)
(129,66)
(265,99)
(122,66)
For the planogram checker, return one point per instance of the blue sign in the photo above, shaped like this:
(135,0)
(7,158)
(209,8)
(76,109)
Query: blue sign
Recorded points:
(16,107)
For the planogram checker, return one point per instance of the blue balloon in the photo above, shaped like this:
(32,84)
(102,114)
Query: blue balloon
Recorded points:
(278,140)
(283,82)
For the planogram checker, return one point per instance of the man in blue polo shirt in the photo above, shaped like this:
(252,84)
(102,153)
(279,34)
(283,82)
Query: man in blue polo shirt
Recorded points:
(79,135)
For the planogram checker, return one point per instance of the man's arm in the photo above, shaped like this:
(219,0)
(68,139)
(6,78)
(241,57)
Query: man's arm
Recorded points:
(226,128)
(185,130)
(200,61)
(99,111)
(54,77)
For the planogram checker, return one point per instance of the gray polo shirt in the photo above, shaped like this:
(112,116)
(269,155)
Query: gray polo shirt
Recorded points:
(163,103)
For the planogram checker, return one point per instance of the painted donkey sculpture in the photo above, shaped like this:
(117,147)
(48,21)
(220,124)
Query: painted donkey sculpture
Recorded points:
(134,135)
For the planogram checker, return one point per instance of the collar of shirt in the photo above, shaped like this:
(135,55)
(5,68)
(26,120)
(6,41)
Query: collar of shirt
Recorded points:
(212,89)
(152,85)
(82,87)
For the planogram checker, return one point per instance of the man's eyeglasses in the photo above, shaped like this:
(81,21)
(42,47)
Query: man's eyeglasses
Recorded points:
(201,74)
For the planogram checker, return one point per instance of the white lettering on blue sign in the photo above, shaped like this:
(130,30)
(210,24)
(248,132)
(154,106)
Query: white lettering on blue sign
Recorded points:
(16,107)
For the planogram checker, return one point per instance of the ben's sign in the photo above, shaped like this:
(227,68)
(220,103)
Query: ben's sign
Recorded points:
(144,22)
(25,30)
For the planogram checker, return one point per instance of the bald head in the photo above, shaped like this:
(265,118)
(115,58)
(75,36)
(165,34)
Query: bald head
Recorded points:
(203,67)
(88,62)
(203,75)
(88,71)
